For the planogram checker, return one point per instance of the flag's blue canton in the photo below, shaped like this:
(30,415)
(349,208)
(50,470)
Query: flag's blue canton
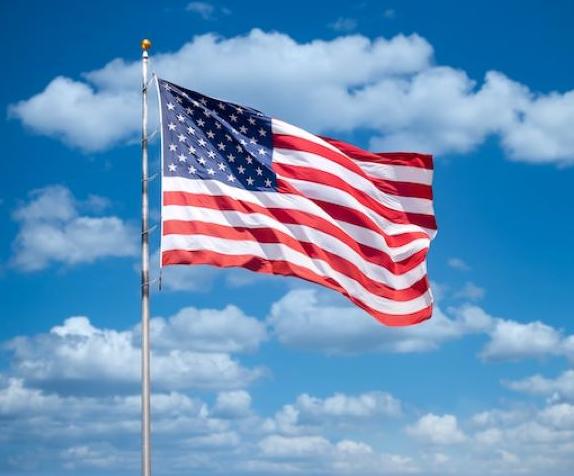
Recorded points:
(209,139)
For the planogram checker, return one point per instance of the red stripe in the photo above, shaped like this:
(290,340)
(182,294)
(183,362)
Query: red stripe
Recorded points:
(407,159)
(272,236)
(318,176)
(392,187)
(402,189)
(289,216)
(286,268)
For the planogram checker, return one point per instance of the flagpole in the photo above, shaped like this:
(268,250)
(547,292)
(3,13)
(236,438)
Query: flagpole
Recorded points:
(145,353)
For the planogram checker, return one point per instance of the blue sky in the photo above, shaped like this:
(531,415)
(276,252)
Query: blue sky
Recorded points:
(263,375)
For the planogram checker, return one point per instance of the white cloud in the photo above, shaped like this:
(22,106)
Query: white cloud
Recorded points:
(206,10)
(53,230)
(79,352)
(294,446)
(309,414)
(458,264)
(208,330)
(512,340)
(437,429)
(344,24)
(471,292)
(234,404)
(346,84)
(321,321)
(366,405)
(203,9)
(305,318)
(560,388)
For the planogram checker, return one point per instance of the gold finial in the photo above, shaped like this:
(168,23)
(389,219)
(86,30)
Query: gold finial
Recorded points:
(146,44)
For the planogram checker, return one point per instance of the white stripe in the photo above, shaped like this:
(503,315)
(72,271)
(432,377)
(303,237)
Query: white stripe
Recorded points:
(361,183)
(339,197)
(281,252)
(377,273)
(280,127)
(285,201)
(398,173)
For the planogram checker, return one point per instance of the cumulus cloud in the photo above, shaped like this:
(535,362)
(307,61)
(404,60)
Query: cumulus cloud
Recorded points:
(437,429)
(559,388)
(345,83)
(305,318)
(318,321)
(76,351)
(54,229)
(514,340)
(309,413)
(209,330)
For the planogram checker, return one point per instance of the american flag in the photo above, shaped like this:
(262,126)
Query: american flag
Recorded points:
(242,189)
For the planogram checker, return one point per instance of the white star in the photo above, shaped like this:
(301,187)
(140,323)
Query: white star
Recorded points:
(172,147)
(201,123)
(221,146)
(211,154)
(207,112)
(170,106)
(172,167)
(243,142)
(211,171)
(221,106)
(238,147)
(251,121)
(210,134)
(221,166)
(228,137)
(181,157)
(171,126)
(178,99)
(181,138)
(189,111)
(231,158)
(252,141)
(192,169)
(262,132)
(231,178)
(202,142)
(233,118)
(241,169)
(218,125)
(203,101)
(259,171)
(202,161)
(248,159)
(180,118)
(262,151)
(191,130)
(268,182)
(243,129)
(191,149)
(239,110)
(166,86)
(250,181)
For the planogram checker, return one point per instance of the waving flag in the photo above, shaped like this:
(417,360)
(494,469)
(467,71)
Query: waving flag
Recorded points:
(247,190)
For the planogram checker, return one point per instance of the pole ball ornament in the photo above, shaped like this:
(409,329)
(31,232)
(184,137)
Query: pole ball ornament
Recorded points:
(146,44)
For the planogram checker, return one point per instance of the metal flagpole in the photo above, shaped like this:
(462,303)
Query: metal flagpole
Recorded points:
(145,357)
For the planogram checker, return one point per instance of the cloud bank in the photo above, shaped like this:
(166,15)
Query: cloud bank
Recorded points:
(390,88)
